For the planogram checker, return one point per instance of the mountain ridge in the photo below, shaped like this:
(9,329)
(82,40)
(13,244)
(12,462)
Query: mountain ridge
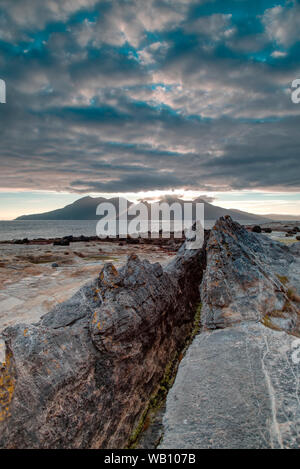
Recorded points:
(85,209)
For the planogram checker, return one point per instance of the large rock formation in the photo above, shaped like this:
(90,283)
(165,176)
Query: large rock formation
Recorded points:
(84,375)
(238,385)
(248,277)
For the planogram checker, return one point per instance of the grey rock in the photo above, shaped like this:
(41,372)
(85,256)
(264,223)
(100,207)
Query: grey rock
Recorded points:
(244,278)
(83,376)
(238,387)
(235,388)
(295,249)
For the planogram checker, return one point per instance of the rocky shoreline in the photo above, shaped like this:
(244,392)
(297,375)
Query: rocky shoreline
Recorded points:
(95,371)
(67,240)
(34,278)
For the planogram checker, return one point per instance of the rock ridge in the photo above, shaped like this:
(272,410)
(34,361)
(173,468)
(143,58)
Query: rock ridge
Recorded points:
(238,385)
(83,375)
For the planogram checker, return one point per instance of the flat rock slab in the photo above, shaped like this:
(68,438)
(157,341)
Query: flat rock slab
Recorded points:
(236,388)
(30,287)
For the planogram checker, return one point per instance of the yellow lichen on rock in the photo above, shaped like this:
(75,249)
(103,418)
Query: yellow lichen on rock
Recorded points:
(7,387)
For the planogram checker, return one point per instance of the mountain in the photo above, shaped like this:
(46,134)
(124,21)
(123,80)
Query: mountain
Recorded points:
(85,209)
(276,217)
(81,209)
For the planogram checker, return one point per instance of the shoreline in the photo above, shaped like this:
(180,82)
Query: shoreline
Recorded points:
(277,226)
(66,240)
(35,277)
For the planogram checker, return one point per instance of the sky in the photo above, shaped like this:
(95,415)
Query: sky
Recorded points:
(146,97)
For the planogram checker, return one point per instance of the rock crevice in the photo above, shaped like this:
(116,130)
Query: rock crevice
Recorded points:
(238,385)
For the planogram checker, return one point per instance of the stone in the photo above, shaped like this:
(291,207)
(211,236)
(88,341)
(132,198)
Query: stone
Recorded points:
(83,376)
(256,229)
(243,277)
(237,386)
(61,242)
(68,238)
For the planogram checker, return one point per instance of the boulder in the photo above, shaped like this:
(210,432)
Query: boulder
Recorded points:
(256,229)
(84,375)
(289,234)
(61,242)
(243,277)
(237,386)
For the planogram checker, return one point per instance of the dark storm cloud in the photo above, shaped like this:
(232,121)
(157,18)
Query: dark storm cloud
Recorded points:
(128,96)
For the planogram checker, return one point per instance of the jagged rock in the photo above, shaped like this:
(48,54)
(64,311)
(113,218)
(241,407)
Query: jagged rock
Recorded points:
(83,376)
(245,278)
(238,387)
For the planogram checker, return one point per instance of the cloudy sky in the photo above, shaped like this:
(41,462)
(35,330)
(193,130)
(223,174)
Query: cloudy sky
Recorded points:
(145,97)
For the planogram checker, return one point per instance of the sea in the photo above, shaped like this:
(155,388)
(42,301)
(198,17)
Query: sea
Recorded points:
(32,229)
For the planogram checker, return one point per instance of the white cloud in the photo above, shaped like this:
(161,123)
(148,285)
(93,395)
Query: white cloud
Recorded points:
(283,24)
(216,27)
(277,54)
(127,22)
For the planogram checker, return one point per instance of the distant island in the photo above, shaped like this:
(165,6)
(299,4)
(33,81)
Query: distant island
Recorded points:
(85,209)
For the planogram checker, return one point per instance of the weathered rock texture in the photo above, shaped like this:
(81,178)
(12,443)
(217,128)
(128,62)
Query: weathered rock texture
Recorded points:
(248,277)
(235,388)
(83,376)
(238,387)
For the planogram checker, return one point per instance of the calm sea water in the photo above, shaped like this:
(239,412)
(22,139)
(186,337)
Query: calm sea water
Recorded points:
(31,229)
